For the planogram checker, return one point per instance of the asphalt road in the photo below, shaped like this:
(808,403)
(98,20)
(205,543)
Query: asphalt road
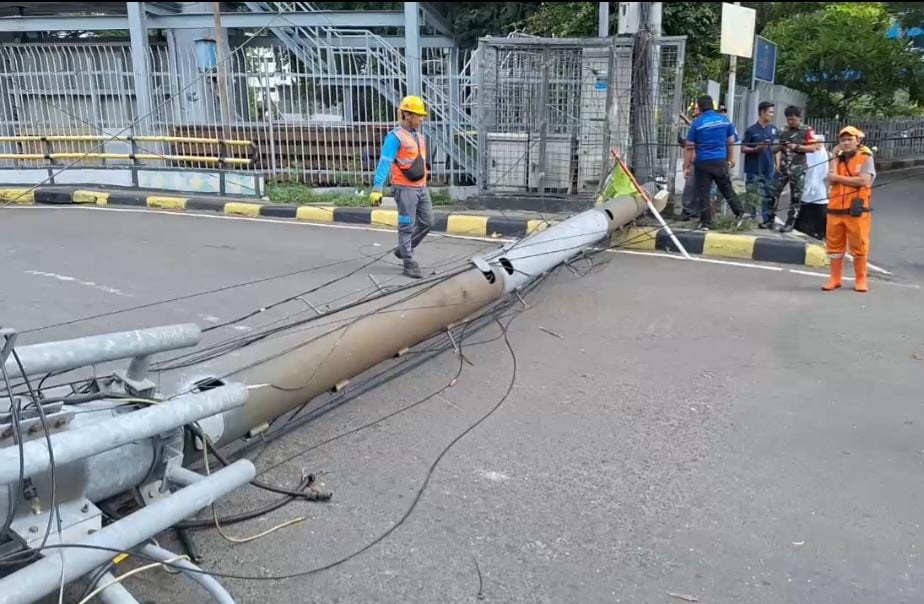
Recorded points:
(898,222)
(702,429)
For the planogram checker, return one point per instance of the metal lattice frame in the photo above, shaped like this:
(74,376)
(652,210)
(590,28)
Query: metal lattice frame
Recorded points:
(550,111)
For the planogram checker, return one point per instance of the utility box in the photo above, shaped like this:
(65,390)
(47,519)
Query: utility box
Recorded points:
(507,158)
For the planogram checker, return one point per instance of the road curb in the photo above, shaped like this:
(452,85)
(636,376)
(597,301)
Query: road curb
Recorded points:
(726,245)
(888,165)
(473,225)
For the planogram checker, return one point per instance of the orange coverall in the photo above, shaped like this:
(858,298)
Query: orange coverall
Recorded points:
(845,228)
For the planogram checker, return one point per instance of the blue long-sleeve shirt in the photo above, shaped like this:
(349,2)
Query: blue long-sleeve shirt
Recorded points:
(389,153)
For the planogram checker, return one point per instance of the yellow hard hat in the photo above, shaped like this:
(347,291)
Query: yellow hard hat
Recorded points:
(413,104)
(851,131)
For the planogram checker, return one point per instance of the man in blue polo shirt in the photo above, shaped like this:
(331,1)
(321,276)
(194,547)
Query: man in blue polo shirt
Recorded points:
(709,155)
(759,146)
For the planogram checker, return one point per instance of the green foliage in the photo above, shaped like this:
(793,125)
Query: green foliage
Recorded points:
(842,58)
(298,193)
(564,20)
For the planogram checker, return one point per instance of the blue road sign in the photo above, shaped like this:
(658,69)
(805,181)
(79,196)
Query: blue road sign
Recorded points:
(764,60)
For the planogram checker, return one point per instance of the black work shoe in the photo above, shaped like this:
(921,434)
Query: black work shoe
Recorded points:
(399,254)
(412,270)
(704,227)
(787,227)
(767,224)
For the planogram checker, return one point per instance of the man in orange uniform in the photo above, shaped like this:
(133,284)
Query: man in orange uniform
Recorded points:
(404,159)
(850,207)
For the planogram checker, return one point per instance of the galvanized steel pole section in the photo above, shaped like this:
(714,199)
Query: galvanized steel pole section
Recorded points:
(41,578)
(71,354)
(192,572)
(81,443)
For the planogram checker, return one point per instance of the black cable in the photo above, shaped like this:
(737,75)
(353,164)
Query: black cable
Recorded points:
(244,516)
(94,579)
(188,296)
(53,510)
(12,493)
(378,539)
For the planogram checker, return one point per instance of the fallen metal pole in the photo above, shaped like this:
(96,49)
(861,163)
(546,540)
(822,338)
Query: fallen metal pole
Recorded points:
(81,443)
(42,577)
(192,572)
(289,370)
(115,593)
(522,261)
(71,354)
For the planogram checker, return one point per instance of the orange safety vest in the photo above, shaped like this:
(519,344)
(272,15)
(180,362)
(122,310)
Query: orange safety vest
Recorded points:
(843,196)
(411,167)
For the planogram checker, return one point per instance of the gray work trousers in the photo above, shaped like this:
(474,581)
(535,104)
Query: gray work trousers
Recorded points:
(415,218)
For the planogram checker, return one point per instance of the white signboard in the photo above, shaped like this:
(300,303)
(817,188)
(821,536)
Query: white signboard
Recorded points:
(737,30)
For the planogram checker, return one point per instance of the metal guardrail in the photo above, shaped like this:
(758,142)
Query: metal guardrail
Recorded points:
(140,139)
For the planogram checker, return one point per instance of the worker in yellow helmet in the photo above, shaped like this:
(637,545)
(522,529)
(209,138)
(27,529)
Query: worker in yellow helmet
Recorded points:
(405,160)
(849,208)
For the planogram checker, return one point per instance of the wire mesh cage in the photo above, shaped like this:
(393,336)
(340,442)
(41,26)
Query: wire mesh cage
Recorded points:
(551,112)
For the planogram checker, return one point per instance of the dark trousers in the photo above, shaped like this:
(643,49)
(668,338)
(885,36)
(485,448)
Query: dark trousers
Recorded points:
(706,173)
(813,220)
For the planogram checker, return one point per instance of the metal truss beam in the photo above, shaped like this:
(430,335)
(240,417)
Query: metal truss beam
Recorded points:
(356,19)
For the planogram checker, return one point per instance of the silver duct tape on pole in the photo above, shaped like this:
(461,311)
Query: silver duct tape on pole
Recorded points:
(290,370)
(83,442)
(41,578)
(71,354)
(522,261)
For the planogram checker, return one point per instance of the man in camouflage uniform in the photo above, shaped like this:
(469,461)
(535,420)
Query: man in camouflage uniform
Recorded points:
(796,140)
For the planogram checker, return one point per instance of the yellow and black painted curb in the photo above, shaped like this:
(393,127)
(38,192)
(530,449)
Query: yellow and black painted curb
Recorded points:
(453,223)
(726,245)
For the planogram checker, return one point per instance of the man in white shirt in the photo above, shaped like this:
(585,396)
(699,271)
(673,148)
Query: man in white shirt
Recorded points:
(813,217)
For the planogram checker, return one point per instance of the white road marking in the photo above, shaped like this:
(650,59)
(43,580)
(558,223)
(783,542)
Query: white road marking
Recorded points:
(94,285)
(443,235)
(756,266)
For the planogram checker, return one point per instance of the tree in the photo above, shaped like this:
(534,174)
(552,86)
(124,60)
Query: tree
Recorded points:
(842,58)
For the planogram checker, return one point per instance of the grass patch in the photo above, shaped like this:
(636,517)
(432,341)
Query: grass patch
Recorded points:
(297,193)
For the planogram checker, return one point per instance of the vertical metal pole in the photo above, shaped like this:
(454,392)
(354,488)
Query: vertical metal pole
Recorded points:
(544,111)
(268,115)
(412,46)
(603,20)
(732,82)
(140,67)
(481,113)
(224,98)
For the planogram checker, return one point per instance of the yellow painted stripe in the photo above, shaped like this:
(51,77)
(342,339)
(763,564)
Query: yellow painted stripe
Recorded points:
(242,209)
(166,202)
(815,255)
(100,198)
(384,218)
(729,246)
(315,213)
(636,238)
(463,224)
(17,196)
(534,226)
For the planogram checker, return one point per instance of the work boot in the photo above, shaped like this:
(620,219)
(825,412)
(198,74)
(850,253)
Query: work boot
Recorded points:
(860,269)
(767,224)
(837,275)
(398,253)
(789,226)
(412,270)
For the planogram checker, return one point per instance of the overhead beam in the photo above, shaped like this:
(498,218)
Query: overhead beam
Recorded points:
(355,19)
(368,42)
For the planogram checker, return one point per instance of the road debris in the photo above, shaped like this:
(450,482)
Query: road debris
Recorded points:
(684,597)
(552,333)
